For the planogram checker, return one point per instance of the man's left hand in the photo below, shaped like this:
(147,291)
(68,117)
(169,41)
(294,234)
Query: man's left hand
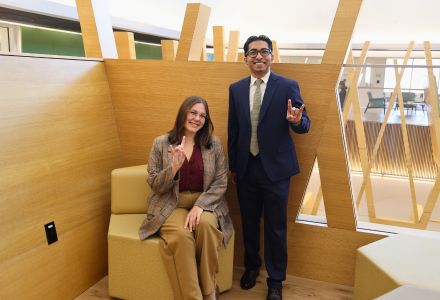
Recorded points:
(294,114)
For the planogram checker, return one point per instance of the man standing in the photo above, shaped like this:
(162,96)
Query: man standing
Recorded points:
(262,158)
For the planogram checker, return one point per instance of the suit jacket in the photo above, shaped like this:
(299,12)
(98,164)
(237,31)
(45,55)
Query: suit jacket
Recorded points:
(277,149)
(164,194)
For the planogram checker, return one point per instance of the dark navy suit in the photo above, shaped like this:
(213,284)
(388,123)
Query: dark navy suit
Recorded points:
(263,181)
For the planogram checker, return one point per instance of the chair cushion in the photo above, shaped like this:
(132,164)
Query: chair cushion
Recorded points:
(136,269)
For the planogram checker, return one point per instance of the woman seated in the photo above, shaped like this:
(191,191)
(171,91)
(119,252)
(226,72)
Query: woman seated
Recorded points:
(187,172)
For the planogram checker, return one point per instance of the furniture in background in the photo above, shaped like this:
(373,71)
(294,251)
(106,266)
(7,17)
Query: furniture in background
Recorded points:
(379,102)
(395,261)
(135,267)
(408,292)
(409,101)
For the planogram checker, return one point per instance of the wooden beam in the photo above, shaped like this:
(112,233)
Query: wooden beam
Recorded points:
(342,29)
(203,55)
(276,52)
(240,57)
(219,43)
(431,97)
(96,29)
(193,32)
(359,126)
(169,49)
(234,36)
(125,45)
(333,171)
(434,128)
(385,120)
(408,159)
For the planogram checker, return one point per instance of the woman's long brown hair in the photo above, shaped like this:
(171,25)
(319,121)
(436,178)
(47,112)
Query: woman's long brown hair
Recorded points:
(203,136)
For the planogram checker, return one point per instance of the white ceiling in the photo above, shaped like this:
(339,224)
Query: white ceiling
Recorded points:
(288,21)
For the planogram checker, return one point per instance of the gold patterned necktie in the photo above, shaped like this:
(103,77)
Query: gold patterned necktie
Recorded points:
(255,113)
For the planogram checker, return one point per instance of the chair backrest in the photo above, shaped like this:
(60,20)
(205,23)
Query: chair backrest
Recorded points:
(129,190)
(408,96)
(370,96)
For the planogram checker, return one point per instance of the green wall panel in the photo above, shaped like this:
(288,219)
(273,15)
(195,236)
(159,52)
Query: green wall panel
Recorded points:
(146,51)
(42,41)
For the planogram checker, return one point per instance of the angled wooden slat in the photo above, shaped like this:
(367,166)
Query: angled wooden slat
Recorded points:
(125,45)
(331,155)
(193,32)
(353,74)
(219,43)
(359,126)
(433,114)
(203,55)
(240,57)
(234,36)
(385,121)
(276,52)
(342,29)
(407,151)
(434,121)
(96,29)
(169,49)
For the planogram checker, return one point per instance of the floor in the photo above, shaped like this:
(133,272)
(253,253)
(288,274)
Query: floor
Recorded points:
(294,288)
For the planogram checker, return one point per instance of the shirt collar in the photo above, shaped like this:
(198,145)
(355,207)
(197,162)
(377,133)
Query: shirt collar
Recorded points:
(265,78)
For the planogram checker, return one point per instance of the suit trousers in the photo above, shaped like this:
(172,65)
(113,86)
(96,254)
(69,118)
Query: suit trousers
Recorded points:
(259,195)
(191,258)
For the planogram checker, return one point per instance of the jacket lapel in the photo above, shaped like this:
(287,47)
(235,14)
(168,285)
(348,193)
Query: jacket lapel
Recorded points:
(244,89)
(271,87)
(208,167)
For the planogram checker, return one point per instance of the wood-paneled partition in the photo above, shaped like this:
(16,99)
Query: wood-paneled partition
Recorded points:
(146,105)
(59,144)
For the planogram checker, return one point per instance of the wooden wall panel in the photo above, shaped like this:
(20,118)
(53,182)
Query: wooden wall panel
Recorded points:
(63,270)
(326,254)
(152,109)
(58,146)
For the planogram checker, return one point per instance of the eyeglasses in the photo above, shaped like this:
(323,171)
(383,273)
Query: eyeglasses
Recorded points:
(195,113)
(254,52)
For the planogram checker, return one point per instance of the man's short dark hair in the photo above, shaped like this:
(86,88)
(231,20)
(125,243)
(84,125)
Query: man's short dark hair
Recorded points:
(257,38)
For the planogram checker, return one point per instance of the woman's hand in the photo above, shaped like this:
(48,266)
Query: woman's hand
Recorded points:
(193,218)
(178,156)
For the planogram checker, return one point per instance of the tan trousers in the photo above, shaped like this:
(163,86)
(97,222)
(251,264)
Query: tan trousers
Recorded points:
(191,258)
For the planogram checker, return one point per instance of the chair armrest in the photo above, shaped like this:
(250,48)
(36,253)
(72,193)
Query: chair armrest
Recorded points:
(129,190)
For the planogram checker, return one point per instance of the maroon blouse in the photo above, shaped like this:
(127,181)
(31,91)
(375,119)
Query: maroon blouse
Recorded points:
(191,172)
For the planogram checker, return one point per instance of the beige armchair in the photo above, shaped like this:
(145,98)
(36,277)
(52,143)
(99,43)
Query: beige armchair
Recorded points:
(135,267)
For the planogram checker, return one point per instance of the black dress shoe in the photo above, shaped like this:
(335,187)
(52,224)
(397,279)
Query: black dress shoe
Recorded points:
(249,279)
(274,294)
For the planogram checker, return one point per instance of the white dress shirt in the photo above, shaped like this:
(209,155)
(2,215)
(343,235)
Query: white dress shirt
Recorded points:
(253,88)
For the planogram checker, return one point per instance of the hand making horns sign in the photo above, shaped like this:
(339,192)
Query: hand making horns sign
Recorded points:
(178,156)
(294,114)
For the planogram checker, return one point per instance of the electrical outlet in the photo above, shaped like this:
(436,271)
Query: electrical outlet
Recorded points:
(51,232)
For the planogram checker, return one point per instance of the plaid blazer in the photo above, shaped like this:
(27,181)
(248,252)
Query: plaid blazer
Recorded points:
(162,199)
